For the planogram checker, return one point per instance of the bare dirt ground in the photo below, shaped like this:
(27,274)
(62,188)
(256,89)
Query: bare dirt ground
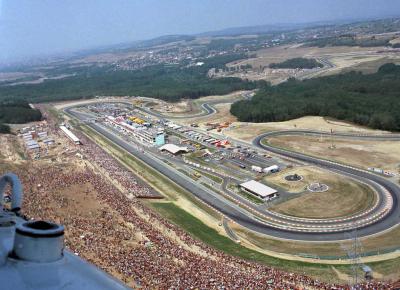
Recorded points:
(11,150)
(364,63)
(248,131)
(184,106)
(221,116)
(221,98)
(342,58)
(344,196)
(281,53)
(193,107)
(372,65)
(367,153)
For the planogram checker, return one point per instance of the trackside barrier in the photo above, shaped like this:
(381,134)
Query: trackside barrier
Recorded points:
(367,254)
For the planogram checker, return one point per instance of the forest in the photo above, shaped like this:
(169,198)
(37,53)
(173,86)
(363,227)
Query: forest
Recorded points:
(298,62)
(370,100)
(349,40)
(4,129)
(16,112)
(168,82)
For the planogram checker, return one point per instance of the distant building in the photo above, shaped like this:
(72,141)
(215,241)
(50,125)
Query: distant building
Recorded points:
(32,145)
(142,132)
(160,139)
(48,141)
(42,135)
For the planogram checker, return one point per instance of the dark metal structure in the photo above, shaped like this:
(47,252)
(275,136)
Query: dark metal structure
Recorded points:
(32,254)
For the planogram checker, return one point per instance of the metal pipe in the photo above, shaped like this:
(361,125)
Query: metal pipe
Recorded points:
(16,189)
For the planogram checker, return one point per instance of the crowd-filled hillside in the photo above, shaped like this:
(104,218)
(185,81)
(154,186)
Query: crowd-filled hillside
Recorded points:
(372,100)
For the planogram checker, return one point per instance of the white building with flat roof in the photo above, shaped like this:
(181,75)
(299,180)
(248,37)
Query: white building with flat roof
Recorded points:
(260,190)
(70,135)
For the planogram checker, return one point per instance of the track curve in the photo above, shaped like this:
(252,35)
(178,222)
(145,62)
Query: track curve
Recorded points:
(384,217)
(207,109)
(389,192)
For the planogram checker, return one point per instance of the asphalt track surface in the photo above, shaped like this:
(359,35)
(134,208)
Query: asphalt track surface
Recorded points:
(392,218)
(248,219)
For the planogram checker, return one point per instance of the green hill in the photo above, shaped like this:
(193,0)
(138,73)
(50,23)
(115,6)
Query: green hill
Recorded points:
(372,100)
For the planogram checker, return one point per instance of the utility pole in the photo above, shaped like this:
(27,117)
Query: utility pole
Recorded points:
(354,251)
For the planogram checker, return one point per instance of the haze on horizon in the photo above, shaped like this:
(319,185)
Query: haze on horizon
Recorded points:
(33,28)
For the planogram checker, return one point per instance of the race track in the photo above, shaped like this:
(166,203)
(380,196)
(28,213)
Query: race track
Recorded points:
(383,215)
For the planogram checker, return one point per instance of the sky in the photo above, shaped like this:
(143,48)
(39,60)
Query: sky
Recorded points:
(41,27)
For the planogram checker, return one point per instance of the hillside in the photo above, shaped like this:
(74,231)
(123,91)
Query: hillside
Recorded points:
(371,100)
(298,62)
(168,82)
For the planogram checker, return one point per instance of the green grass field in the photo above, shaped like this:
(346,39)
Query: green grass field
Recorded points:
(210,236)
(210,176)
(250,197)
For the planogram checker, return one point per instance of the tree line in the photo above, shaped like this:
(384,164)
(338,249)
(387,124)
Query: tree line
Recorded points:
(168,82)
(349,40)
(298,62)
(371,100)
(16,112)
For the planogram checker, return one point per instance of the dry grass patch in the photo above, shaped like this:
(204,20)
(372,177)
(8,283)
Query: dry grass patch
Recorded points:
(248,131)
(372,65)
(362,153)
(223,115)
(374,244)
(342,57)
(343,198)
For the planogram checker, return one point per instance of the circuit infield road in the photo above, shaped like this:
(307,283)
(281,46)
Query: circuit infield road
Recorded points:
(244,217)
(391,219)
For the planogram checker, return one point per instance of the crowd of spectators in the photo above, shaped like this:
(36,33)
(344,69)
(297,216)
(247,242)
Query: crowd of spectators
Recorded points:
(156,260)
(114,169)
(165,256)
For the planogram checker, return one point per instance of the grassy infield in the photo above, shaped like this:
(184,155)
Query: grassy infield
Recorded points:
(210,236)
